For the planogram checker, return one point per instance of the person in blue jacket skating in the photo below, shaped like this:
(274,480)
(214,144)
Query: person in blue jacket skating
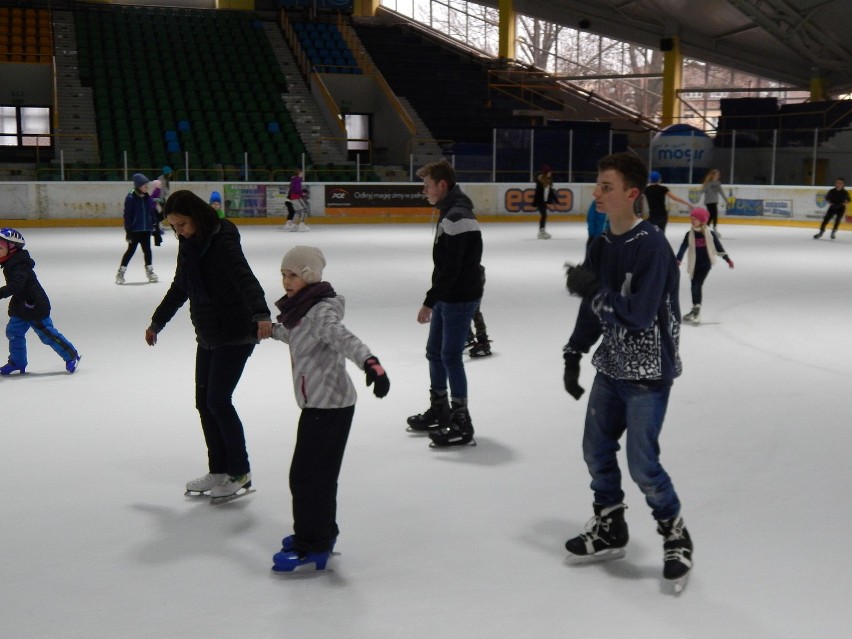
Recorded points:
(140,224)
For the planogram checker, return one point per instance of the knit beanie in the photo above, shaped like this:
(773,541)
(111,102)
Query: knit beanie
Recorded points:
(305,261)
(702,215)
(215,196)
(139,180)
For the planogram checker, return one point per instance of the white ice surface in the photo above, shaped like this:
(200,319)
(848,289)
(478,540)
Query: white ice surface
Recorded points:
(97,539)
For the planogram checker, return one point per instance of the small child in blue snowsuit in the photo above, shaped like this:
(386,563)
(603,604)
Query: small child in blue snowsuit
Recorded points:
(29,307)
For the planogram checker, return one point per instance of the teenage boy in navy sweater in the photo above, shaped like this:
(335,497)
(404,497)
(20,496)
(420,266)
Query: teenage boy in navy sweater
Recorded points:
(629,285)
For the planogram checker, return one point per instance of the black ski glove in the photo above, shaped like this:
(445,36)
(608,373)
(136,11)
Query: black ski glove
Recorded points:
(376,375)
(572,375)
(582,281)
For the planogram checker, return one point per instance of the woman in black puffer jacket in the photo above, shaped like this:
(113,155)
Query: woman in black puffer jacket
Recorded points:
(228,309)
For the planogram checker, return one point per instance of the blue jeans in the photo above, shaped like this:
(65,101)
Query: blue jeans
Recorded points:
(616,406)
(447,337)
(16,331)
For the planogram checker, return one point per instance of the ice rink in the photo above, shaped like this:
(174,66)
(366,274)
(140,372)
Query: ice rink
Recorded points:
(98,540)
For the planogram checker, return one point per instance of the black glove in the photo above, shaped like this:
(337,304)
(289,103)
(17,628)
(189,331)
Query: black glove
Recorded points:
(572,375)
(376,375)
(158,235)
(582,281)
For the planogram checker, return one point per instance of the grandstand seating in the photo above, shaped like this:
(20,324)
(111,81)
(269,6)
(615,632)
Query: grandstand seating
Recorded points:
(167,81)
(25,35)
(325,47)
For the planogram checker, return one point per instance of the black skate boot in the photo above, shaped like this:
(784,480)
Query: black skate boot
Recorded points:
(605,536)
(435,417)
(677,550)
(458,433)
(481,346)
(471,340)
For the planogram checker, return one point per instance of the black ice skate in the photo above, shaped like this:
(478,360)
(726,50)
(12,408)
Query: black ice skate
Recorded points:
(471,340)
(605,536)
(677,551)
(436,416)
(482,348)
(458,433)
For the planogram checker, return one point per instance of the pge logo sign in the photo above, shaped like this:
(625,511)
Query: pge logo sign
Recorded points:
(521,201)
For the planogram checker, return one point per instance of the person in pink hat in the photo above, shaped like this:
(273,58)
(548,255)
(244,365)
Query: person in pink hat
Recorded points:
(701,246)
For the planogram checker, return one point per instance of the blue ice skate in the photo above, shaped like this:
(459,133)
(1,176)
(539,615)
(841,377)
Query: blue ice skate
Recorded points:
(10,367)
(289,561)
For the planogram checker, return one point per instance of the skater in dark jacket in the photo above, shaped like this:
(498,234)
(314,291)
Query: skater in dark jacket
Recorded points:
(311,322)
(655,195)
(457,286)
(544,196)
(228,309)
(837,199)
(703,245)
(140,224)
(629,290)
(29,307)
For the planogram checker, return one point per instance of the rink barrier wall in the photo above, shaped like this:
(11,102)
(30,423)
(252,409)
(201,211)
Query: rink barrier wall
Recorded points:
(57,204)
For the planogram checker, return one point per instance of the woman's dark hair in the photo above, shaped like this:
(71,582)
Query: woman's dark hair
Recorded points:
(203,216)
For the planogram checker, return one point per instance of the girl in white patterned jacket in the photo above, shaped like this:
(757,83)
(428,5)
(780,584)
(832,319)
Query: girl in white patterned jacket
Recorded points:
(310,322)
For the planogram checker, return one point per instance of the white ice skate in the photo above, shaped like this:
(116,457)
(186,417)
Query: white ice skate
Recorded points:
(202,486)
(231,488)
(694,316)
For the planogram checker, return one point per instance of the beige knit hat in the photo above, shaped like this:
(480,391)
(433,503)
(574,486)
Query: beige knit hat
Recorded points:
(305,261)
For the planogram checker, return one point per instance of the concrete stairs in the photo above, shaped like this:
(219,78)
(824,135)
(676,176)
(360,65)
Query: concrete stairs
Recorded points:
(316,134)
(77,133)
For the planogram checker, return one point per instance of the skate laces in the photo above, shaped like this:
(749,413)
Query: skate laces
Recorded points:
(674,531)
(593,526)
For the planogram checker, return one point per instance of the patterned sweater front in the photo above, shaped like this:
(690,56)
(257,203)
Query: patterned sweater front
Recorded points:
(319,346)
(636,311)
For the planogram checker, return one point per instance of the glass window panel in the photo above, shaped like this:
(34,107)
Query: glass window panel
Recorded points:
(8,126)
(35,121)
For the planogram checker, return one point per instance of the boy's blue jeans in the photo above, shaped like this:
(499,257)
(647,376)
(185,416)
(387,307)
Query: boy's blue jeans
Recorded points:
(444,349)
(616,406)
(16,331)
